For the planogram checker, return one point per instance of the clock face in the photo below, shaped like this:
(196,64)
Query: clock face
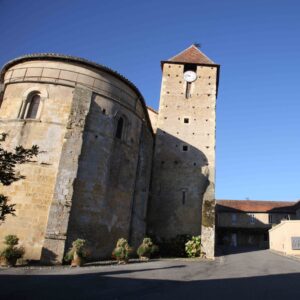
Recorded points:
(189,76)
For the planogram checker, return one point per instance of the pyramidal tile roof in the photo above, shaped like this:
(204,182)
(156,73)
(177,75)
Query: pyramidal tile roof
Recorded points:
(192,55)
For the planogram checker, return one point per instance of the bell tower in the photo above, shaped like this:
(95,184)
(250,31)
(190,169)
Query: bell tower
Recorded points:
(183,194)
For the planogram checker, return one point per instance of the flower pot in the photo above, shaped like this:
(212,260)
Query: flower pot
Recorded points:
(123,261)
(77,260)
(144,258)
(8,262)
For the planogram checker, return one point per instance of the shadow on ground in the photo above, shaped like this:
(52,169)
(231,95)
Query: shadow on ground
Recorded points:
(221,251)
(122,284)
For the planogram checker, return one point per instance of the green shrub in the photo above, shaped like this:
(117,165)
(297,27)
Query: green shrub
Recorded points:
(193,246)
(122,250)
(11,240)
(78,247)
(11,252)
(147,248)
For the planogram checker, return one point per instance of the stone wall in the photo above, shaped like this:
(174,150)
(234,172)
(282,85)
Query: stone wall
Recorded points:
(107,178)
(141,194)
(83,184)
(184,157)
(153,115)
(33,195)
(62,202)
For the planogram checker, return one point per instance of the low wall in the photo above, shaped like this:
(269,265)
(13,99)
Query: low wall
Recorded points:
(281,237)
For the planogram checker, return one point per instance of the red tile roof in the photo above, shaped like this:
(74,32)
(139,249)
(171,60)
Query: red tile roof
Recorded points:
(192,55)
(255,206)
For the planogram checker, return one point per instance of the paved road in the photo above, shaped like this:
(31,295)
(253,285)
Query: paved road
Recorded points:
(250,275)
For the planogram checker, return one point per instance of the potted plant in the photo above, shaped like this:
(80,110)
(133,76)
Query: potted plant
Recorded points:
(146,249)
(122,251)
(11,252)
(77,253)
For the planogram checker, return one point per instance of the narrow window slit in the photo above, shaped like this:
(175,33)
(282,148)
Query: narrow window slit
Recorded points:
(119,130)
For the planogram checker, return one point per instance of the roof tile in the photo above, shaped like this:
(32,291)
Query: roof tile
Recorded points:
(255,206)
(192,55)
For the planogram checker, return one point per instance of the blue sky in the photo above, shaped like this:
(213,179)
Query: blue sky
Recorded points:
(257,44)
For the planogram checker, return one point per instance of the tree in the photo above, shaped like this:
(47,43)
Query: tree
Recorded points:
(5,208)
(8,175)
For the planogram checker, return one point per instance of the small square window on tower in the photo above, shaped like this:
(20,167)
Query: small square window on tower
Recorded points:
(185,148)
(186,120)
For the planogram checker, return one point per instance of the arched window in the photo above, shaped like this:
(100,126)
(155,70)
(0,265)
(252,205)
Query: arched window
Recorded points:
(119,131)
(33,106)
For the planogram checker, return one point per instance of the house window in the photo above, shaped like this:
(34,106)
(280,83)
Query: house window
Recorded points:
(233,218)
(31,107)
(218,219)
(120,125)
(271,221)
(252,218)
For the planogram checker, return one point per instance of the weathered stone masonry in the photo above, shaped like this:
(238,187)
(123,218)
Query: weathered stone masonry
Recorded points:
(182,196)
(90,189)
(58,220)
(96,136)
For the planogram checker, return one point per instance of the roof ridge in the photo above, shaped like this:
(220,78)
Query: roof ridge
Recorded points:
(203,53)
(182,52)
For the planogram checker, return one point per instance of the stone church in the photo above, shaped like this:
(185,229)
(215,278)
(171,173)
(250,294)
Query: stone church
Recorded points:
(109,166)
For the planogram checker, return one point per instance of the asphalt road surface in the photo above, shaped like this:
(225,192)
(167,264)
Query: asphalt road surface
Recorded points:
(248,275)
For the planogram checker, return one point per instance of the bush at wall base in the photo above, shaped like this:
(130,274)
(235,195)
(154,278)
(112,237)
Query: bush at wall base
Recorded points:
(77,253)
(122,251)
(11,252)
(146,249)
(193,247)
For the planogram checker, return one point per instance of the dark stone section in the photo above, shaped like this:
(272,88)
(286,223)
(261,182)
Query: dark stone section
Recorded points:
(58,218)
